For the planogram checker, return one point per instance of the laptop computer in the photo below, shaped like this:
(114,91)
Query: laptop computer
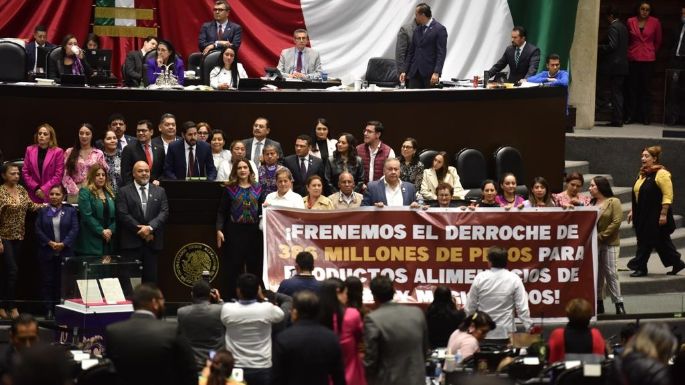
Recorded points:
(70,80)
(100,60)
(250,84)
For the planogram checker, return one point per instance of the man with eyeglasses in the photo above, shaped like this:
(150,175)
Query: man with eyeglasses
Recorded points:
(143,150)
(117,123)
(300,61)
(221,32)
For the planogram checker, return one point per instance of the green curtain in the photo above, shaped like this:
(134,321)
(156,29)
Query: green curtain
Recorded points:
(550,25)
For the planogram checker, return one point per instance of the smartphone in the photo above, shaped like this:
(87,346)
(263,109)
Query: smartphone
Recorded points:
(211,354)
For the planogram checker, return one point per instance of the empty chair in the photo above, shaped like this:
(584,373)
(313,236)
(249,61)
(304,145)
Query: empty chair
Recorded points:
(210,61)
(382,72)
(472,169)
(508,159)
(195,63)
(426,157)
(12,62)
(51,67)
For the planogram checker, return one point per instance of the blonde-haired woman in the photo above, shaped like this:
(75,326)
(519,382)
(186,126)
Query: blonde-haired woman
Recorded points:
(97,213)
(43,164)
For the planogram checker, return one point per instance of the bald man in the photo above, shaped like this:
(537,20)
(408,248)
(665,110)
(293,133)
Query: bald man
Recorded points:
(142,211)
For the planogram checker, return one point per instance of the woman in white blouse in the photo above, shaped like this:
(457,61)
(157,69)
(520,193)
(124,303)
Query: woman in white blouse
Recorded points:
(237,153)
(217,141)
(440,172)
(323,145)
(226,74)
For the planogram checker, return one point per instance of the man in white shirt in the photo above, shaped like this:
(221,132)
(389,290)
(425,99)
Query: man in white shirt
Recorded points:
(117,124)
(498,292)
(248,329)
(346,198)
(390,190)
(284,196)
(40,41)
(300,61)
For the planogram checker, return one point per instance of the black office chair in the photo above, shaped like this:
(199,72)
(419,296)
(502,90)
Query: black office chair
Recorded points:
(195,62)
(382,72)
(51,61)
(148,55)
(472,170)
(426,157)
(210,61)
(103,373)
(12,62)
(508,159)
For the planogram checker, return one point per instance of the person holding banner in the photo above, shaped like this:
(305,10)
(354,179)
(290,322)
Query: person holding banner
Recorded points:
(653,216)
(508,197)
(489,197)
(284,195)
(314,199)
(608,242)
(571,196)
(390,191)
(539,195)
(237,224)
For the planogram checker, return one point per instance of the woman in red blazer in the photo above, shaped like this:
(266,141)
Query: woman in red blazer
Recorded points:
(645,40)
(43,164)
(577,337)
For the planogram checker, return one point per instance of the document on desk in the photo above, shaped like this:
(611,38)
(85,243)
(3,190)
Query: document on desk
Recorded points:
(90,292)
(111,288)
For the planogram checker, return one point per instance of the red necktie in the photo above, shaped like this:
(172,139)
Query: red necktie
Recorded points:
(148,155)
(191,162)
(298,67)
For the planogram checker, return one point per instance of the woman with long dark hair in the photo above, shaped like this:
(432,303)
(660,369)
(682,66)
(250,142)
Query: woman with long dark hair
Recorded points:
(355,294)
(539,194)
(70,61)
(652,215)
(227,73)
(440,172)
(507,197)
(346,323)
(442,317)
(466,340)
(113,158)
(345,158)
(166,57)
(219,369)
(411,169)
(323,146)
(79,159)
(237,224)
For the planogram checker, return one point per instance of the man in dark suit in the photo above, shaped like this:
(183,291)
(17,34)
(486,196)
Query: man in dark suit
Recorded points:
(142,212)
(427,51)
(396,339)
(142,150)
(134,68)
(221,32)
(307,352)
(390,190)
(201,322)
(404,36)
(675,89)
(117,123)
(614,63)
(40,40)
(146,350)
(189,157)
(523,58)
(255,145)
(167,132)
(302,166)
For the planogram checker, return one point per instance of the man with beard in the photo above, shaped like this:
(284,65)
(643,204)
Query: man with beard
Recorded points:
(146,350)
(189,158)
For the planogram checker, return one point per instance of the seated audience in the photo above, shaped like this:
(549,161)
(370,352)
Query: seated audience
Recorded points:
(315,200)
(390,191)
(646,357)
(43,164)
(134,64)
(268,170)
(572,196)
(303,278)
(248,329)
(200,323)
(14,204)
(78,160)
(445,193)
(346,197)
(57,227)
(219,369)
(166,58)
(323,146)
(189,158)
(237,153)
(411,168)
(70,61)
(113,158)
(440,172)
(300,61)
(539,194)
(554,76)
(489,197)
(466,340)
(345,158)
(40,40)
(577,337)
(203,131)
(97,213)
(92,41)
(507,197)
(228,72)
(220,32)
(443,317)
(284,195)
(217,143)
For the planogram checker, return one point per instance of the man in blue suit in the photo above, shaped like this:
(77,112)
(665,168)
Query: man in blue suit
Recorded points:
(390,190)
(40,40)
(221,32)
(427,51)
(189,157)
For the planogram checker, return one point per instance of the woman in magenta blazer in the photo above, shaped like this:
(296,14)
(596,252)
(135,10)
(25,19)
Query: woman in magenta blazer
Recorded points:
(43,164)
(645,40)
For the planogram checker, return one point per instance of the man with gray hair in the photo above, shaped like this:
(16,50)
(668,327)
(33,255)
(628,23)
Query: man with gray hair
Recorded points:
(300,61)
(390,190)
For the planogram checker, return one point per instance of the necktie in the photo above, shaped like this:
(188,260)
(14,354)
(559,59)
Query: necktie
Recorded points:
(681,44)
(298,67)
(257,153)
(220,32)
(191,162)
(119,145)
(143,199)
(148,155)
(517,56)
(303,170)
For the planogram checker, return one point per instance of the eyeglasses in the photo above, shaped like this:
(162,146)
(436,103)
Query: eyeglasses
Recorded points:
(218,10)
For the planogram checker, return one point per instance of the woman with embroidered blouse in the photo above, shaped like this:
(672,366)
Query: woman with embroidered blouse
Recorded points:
(228,72)
(113,159)
(269,168)
(237,224)
(14,203)
(78,160)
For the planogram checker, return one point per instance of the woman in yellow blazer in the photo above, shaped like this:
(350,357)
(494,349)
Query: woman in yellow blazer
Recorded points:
(440,172)
(315,200)
(97,213)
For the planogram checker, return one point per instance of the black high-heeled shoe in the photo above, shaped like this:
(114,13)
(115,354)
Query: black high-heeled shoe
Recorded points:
(638,273)
(619,308)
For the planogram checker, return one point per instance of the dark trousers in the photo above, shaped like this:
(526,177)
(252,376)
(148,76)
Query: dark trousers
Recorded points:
(417,81)
(675,94)
(617,98)
(638,105)
(664,247)
(8,279)
(148,257)
(257,376)
(243,253)
(51,273)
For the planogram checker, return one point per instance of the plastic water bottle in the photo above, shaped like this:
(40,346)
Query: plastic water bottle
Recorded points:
(458,357)
(419,199)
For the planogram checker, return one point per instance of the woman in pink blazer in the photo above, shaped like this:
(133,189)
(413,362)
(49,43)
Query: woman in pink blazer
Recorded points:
(43,164)
(645,40)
